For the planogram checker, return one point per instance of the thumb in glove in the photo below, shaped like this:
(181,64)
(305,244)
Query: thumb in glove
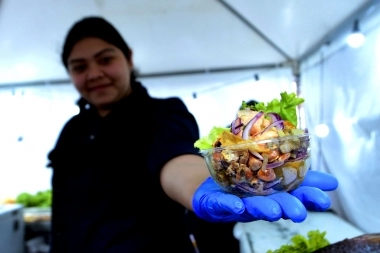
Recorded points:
(312,190)
(212,203)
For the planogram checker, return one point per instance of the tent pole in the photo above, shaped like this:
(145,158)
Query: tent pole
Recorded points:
(297,81)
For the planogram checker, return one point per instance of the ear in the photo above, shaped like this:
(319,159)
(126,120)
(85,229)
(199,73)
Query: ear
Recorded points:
(130,61)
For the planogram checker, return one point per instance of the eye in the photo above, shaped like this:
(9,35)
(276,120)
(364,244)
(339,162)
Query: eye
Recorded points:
(105,60)
(78,68)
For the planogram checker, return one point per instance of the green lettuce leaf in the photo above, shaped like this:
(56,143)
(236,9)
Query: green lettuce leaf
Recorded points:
(301,244)
(207,141)
(286,107)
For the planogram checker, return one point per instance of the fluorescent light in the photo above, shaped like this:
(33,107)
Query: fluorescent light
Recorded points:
(356,38)
(321,130)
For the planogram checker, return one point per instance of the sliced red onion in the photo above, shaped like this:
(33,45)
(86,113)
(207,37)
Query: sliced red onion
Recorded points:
(272,184)
(248,189)
(236,126)
(279,124)
(250,124)
(274,116)
(301,157)
(256,154)
(276,121)
(265,162)
(275,164)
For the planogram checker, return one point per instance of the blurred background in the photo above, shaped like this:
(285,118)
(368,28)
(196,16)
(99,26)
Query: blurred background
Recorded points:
(213,54)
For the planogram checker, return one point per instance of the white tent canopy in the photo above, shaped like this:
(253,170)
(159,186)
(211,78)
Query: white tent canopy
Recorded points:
(173,37)
(207,53)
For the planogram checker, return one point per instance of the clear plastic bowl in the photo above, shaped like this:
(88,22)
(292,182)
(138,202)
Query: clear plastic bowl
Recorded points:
(259,168)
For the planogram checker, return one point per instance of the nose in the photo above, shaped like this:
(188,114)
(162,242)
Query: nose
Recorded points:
(94,72)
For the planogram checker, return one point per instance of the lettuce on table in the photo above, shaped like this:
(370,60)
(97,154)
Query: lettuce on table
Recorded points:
(301,244)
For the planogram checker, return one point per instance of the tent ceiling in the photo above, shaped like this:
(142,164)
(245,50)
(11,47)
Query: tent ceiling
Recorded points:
(168,36)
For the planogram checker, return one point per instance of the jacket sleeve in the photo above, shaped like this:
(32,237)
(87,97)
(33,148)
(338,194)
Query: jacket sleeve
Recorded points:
(176,131)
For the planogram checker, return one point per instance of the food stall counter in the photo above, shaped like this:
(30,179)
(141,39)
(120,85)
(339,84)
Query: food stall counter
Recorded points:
(261,236)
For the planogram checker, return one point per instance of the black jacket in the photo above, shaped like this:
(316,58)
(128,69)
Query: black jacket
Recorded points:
(106,191)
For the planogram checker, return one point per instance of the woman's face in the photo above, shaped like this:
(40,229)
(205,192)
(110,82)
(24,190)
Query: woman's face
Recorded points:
(100,72)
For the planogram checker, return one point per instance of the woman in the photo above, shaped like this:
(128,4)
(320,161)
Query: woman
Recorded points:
(125,169)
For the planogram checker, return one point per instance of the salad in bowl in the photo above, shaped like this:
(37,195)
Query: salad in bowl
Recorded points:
(262,152)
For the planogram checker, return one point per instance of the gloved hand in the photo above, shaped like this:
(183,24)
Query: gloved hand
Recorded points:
(211,203)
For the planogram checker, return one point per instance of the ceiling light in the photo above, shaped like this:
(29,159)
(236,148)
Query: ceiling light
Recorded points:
(356,38)
(321,130)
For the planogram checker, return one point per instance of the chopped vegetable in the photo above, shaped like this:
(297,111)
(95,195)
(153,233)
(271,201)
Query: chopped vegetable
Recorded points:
(262,152)
(208,141)
(301,244)
(40,199)
(252,119)
(286,107)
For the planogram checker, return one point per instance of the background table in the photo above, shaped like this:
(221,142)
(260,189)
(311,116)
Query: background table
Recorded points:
(261,236)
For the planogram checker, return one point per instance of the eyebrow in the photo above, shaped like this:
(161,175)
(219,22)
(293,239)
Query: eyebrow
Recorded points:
(95,55)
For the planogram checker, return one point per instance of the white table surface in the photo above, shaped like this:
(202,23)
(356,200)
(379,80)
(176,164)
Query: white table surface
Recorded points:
(261,236)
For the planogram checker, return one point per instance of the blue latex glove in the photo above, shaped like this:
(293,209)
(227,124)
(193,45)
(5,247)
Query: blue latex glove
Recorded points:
(211,203)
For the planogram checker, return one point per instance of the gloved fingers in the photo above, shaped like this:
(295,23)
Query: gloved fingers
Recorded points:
(313,199)
(260,208)
(292,207)
(321,180)
(212,204)
(224,204)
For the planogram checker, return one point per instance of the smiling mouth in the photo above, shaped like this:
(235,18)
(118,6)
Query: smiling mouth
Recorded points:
(98,87)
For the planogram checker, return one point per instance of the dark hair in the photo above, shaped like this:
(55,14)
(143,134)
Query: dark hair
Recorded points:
(93,27)
(252,102)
